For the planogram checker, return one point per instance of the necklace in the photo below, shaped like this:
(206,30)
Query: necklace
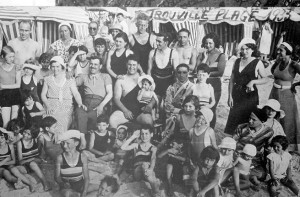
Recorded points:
(84,65)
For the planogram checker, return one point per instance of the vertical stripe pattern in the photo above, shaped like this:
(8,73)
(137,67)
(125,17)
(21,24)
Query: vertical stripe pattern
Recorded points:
(192,26)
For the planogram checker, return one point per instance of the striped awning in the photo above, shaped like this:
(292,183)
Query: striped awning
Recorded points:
(192,26)
(14,13)
(66,14)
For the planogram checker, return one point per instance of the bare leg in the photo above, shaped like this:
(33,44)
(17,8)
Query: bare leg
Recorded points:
(14,111)
(169,178)
(236,178)
(6,113)
(24,179)
(40,174)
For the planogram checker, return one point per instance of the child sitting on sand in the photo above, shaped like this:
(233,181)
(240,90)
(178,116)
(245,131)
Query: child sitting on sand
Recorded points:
(120,155)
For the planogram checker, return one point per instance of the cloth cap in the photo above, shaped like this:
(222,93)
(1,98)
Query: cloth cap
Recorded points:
(70,134)
(31,66)
(249,149)
(64,24)
(121,127)
(287,45)
(116,26)
(148,77)
(58,59)
(275,105)
(229,143)
(246,41)
(207,114)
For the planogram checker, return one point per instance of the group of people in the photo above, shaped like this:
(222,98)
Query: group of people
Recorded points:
(124,86)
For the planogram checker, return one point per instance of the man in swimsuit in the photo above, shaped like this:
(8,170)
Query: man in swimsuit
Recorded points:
(142,42)
(187,54)
(125,98)
(24,47)
(162,64)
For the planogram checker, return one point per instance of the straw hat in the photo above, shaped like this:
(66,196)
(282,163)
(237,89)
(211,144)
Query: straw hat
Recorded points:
(30,66)
(275,105)
(148,77)
(229,143)
(246,41)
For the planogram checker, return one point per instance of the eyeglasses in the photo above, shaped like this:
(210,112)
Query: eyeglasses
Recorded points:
(93,28)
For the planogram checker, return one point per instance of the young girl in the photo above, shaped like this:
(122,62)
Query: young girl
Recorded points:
(10,81)
(273,111)
(226,149)
(11,173)
(28,80)
(146,93)
(203,90)
(205,176)
(28,154)
(32,111)
(279,163)
(14,128)
(101,49)
(79,63)
(120,155)
(201,134)
(177,155)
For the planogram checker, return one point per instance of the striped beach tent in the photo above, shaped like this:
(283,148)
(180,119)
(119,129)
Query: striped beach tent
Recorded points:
(9,21)
(49,18)
(192,26)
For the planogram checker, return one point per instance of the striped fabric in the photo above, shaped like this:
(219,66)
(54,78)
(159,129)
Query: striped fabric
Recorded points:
(11,30)
(31,154)
(71,174)
(14,13)
(192,26)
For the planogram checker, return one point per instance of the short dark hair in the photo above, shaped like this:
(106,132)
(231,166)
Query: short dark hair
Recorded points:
(165,36)
(5,50)
(111,182)
(4,134)
(211,153)
(133,57)
(183,65)
(261,115)
(146,80)
(124,36)
(203,67)
(27,94)
(73,49)
(255,52)
(147,127)
(45,57)
(282,140)
(120,14)
(95,57)
(103,118)
(194,99)
(48,122)
(14,123)
(34,130)
(212,36)
(100,41)
(83,48)
(185,30)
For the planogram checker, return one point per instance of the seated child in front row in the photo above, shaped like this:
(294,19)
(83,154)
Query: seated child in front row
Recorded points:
(28,153)
(144,157)
(101,142)
(108,187)
(120,155)
(32,110)
(206,176)
(14,127)
(279,164)
(241,169)
(177,155)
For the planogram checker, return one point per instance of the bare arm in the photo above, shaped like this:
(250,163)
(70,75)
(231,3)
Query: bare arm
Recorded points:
(212,137)
(175,59)
(19,150)
(41,108)
(57,176)
(150,62)
(153,158)
(211,185)
(140,95)
(44,95)
(212,96)
(127,145)
(76,95)
(118,95)
(85,174)
(193,60)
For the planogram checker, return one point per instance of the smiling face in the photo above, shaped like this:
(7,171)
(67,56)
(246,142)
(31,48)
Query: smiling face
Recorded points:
(100,49)
(10,57)
(120,43)
(28,71)
(82,57)
(208,162)
(29,101)
(161,44)
(24,31)
(200,121)
(209,44)
(278,148)
(202,76)
(142,26)
(27,134)
(69,145)
(182,74)
(132,66)
(56,68)
(271,113)
(114,32)
(183,38)
(281,53)
(146,85)
(146,135)
(105,190)
(95,66)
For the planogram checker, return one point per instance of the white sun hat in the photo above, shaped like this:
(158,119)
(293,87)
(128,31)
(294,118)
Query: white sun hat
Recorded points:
(148,77)
(70,134)
(249,149)
(229,143)
(275,105)
(246,41)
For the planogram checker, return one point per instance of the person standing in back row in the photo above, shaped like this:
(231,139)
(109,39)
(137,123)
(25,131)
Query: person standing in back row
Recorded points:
(142,42)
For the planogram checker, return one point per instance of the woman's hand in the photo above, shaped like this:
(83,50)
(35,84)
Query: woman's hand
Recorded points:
(83,107)
(249,86)
(230,101)
(49,110)
(120,77)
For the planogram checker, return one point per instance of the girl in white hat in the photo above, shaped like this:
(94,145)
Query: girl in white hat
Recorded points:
(28,80)
(146,93)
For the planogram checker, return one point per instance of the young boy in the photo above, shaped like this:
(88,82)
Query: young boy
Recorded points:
(101,142)
(32,110)
(144,157)
(108,187)
(120,155)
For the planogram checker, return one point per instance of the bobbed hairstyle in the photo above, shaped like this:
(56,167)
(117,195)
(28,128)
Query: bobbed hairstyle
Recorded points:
(14,124)
(204,67)
(193,99)
(282,140)
(123,36)
(48,122)
(34,130)
(111,182)
(211,153)
(255,52)
(212,36)
(45,57)
(6,50)
(4,134)
(147,127)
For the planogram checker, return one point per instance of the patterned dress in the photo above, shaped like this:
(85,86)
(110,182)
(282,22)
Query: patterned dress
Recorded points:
(62,50)
(60,101)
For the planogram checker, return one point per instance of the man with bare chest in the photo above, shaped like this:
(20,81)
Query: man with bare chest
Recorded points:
(142,42)
(125,97)
(187,54)
(162,64)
